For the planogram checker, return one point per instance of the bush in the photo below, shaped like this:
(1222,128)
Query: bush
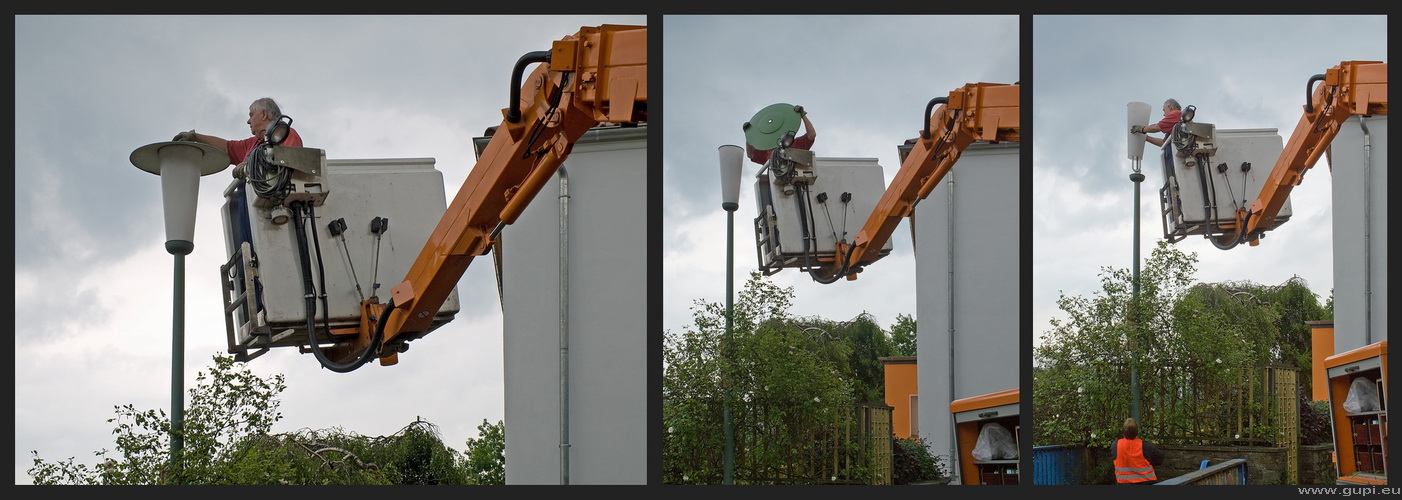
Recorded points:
(1314,423)
(911,461)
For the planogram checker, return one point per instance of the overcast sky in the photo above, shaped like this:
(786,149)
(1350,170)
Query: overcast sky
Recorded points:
(864,81)
(92,277)
(1240,72)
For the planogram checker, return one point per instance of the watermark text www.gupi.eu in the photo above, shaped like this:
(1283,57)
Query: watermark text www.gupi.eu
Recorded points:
(1349,491)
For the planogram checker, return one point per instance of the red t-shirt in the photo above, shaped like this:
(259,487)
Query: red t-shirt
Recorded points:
(1169,120)
(801,142)
(238,150)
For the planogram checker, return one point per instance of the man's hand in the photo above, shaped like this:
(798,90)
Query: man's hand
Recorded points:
(188,135)
(799,110)
(1136,129)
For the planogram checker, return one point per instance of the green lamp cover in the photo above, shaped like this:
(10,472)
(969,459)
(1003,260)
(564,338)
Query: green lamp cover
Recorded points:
(770,124)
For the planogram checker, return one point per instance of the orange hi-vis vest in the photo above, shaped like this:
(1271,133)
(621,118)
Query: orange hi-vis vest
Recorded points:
(1130,464)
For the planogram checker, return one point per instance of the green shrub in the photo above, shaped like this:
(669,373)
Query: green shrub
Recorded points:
(911,461)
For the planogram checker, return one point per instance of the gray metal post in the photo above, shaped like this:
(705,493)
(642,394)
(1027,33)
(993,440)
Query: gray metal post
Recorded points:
(729,460)
(1134,349)
(177,358)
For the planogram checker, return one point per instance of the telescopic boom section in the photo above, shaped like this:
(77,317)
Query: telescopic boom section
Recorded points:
(975,112)
(598,75)
(1351,88)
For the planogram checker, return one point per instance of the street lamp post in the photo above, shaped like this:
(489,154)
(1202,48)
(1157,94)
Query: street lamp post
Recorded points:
(1137,178)
(731,162)
(180,165)
(1138,113)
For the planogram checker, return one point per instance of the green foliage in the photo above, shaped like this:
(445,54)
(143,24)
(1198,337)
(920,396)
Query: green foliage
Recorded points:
(227,404)
(414,455)
(912,461)
(1315,426)
(1081,381)
(903,335)
(856,347)
(486,454)
(1196,350)
(788,381)
(227,441)
(1329,306)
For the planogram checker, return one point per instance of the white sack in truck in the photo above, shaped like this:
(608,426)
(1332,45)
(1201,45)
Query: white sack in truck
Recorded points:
(995,442)
(1362,396)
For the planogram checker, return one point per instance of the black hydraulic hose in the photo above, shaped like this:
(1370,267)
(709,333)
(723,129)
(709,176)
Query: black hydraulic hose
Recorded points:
(540,124)
(1207,211)
(803,226)
(320,269)
(803,222)
(1309,92)
(540,56)
(309,292)
(925,124)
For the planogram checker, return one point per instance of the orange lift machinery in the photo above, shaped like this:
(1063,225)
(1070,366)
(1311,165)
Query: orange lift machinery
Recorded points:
(975,112)
(595,76)
(1350,89)
(987,112)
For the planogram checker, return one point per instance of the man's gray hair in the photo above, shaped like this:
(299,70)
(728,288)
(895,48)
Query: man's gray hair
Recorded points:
(1172,104)
(267,104)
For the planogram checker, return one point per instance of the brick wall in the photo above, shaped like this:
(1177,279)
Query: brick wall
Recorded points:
(1265,465)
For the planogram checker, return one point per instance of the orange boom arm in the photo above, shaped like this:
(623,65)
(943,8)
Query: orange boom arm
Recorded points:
(598,75)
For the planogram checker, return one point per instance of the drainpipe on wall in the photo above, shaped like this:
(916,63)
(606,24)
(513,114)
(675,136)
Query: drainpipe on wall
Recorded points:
(1367,235)
(949,258)
(564,326)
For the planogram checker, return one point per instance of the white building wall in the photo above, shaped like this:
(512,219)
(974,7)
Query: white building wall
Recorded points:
(607,305)
(969,320)
(1360,277)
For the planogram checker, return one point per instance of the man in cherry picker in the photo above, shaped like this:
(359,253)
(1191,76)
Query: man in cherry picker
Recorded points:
(1172,114)
(262,113)
(805,141)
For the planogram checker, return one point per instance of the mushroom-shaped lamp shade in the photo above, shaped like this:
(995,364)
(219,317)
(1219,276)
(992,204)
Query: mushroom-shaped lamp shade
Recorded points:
(180,165)
(731,162)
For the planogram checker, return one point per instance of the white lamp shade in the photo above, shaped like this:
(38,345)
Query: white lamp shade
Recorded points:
(180,165)
(1138,115)
(731,162)
(180,189)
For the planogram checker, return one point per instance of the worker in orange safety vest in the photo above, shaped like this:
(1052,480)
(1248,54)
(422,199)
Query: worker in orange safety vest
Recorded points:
(1135,458)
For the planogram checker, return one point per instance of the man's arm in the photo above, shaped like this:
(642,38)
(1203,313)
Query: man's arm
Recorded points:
(222,144)
(1153,454)
(191,135)
(1152,128)
(808,127)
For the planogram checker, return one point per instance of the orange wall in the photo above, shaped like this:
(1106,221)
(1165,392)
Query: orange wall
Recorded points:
(1321,346)
(900,385)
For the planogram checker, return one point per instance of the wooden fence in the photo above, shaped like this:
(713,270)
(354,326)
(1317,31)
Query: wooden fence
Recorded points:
(852,445)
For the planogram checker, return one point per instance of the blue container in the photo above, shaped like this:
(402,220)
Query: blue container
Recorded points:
(1058,465)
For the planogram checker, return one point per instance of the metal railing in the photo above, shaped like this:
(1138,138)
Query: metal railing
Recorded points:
(1231,472)
(849,444)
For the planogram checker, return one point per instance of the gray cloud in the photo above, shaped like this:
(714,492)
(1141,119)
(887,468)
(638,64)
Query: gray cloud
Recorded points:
(90,269)
(1239,71)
